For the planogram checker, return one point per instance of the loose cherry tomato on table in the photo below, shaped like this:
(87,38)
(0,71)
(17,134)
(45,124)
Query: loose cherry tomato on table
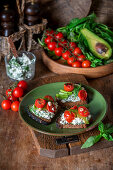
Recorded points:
(22,84)
(77,64)
(69,116)
(12,97)
(18,92)
(81,58)
(86,64)
(66,55)
(9,92)
(68,87)
(6,104)
(58,51)
(49,32)
(83,111)
(82,94)
(48,39)
(49,98)
(77,51)
(51,107)
(15,106)
(74,107)
(51,46)
(39,103)
(71,60)
(59,35)
(72,45)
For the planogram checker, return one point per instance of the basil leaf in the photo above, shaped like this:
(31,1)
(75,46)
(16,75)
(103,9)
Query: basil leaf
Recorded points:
(109,130)
(91,141)
(101,127)
(107,137)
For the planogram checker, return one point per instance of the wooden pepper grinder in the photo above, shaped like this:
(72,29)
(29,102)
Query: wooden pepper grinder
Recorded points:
(32,13)
(7,21)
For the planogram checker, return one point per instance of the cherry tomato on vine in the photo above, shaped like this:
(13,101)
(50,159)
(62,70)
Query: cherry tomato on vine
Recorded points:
(82,94)
(77,51)
(77,64)
(59,35)
(12,97)
(71,60)
(51,46)
(66,55)
(6,104)
(22,84)
(48,39)
(68,86)
(18,92)
(69,116)
(49,32)
(15,106)
(83,111)
(81,58)
(58,51)
(49,98)
(9,92)
(72,45)
(86,64)
(51,107)
(39,103)
(63,43)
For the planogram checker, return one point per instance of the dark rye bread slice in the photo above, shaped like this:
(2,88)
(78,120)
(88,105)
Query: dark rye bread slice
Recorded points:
(69,126)
(70,104)
(40,119)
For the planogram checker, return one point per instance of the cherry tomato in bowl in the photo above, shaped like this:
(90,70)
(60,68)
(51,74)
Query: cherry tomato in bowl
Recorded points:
(68,87)
(77,64)
(83,111)
(69,116)
(77,51)
(72,45)
(71,60)
(52,45)
(58,51)
(48,39)
(66,55)
(40,103)
(81,58)
(59,35)
(86,64)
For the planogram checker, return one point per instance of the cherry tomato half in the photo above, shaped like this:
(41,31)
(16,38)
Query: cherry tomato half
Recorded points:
(39,103)
(69,116)
(68,87)
(9,92)
(71,60)
(83,111)
(74,107)
(58,51)
(86,64)
(77,64)
(82,94)
(51,107)
(18,92)
(49,98)
(66,55)
(6,104)
(81,58)
(77,51)
(59,35)
(15,106)
(51,46)
(22,84)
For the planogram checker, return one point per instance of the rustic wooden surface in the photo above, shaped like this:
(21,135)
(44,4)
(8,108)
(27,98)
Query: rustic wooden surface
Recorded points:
(18,150)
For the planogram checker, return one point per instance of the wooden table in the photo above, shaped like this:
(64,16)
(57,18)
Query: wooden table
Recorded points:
(18,150)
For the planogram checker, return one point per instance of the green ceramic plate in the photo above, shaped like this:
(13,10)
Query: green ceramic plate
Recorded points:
(97,107)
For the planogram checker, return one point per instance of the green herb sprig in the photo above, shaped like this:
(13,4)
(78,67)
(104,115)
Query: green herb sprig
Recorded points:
(105,132)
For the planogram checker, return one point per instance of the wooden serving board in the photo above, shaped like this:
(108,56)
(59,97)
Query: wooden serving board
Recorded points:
(46,145)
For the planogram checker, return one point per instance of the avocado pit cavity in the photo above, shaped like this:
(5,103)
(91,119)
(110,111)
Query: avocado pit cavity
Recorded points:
(101,48)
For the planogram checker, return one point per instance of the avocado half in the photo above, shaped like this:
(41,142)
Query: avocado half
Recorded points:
(99,47)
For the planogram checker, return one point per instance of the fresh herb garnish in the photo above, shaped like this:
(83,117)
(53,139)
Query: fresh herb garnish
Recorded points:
(77,88)
(105,132)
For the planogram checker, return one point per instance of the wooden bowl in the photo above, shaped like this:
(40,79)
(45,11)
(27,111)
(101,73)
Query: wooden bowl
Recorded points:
(59,68)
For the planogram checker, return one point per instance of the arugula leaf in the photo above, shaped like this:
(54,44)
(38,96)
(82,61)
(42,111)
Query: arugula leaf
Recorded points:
(91,141)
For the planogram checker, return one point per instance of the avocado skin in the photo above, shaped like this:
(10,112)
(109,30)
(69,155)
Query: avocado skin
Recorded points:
(93,40)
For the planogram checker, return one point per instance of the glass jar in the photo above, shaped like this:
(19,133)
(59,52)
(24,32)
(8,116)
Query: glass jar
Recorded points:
(21,67)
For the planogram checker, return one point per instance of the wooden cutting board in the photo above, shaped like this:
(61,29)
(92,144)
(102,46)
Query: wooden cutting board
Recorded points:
(46,145)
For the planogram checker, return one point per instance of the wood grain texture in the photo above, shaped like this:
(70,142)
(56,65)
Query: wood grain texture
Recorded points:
(59,68)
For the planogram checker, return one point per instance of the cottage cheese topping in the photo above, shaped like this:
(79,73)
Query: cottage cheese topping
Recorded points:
(71,98)
(20,68)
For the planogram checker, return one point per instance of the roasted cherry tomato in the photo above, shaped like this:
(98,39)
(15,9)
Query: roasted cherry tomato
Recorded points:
(77,64)
(9,92)
(58,51)
(18,92)
(68,87)
(49,32)
(22,84)
(77,51)
(59,35)
(82,94)
(49,98)
(66,55)
(6,104)
(48,39)
(40,103)
(72,45)
(81,58)
(71,60)
(86,64)
(51,46)
(69,116)
(74,107)
(15,106)
(83,111)
(51,107)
